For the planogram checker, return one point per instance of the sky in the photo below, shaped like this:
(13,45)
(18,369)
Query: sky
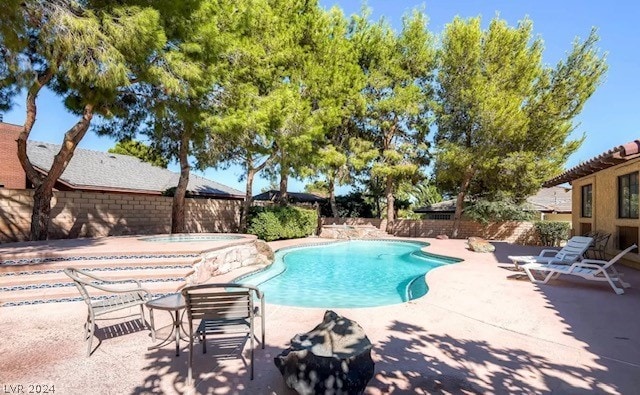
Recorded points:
(610,117)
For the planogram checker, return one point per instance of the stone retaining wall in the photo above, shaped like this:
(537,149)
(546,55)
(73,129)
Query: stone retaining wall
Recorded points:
(224,260)
(94,214)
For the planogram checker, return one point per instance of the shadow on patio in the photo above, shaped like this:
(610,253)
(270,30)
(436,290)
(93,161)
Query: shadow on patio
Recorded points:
(403,361)
(605,324)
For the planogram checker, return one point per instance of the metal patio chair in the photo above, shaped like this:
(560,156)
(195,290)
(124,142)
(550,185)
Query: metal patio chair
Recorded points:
(120,295)
(222,309)
(599,245)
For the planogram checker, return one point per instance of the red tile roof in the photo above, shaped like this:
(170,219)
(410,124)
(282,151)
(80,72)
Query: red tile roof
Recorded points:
(614,156)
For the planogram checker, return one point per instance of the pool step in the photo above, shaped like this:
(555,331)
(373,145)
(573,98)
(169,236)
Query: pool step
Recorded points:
(54,276)
(45,293)
(47,282)
(99,264)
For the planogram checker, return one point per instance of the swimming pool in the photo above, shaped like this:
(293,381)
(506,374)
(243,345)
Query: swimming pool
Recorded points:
(347,274)
(186,238)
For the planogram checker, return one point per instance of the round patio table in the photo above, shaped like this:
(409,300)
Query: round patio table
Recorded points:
(171,303)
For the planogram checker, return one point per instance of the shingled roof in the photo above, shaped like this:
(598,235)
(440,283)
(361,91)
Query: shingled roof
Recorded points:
(103,171)
(614,156)
(296,197)
(547,200)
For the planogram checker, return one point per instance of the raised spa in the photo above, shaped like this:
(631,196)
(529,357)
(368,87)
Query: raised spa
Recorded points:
(189,238)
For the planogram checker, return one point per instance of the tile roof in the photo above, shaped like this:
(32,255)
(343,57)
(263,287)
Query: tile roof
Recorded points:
(90,169)
(614,156)
(554,199)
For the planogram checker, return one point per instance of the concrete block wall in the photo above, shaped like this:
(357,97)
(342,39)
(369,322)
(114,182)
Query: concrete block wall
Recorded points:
(95,214)
(512,232)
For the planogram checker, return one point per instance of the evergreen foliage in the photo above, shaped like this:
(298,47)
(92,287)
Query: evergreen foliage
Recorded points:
(287,89)
(141,151)
(498,210)
(282,222)
(503,117)
(551,233)
(86,53)
(352,205)
(399,70)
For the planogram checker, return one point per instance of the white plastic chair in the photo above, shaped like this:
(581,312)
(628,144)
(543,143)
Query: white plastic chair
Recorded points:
(570,253)
(589,269)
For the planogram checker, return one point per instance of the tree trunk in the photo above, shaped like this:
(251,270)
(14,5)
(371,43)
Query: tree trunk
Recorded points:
(331,184)
(41,214)
(177,207)
(248,198)
(388,190)
(284,181)
(457,216)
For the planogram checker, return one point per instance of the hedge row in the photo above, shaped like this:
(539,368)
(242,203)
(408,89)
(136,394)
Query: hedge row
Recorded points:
(277,222)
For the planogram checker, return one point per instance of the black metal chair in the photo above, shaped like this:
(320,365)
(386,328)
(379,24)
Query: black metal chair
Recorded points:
(222,309)
(599,246)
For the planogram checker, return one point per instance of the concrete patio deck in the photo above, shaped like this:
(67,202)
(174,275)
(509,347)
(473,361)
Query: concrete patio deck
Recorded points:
(476,331)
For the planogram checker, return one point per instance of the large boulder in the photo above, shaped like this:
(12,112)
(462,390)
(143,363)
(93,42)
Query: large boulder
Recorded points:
(265,250)
(332,358)
(479,244)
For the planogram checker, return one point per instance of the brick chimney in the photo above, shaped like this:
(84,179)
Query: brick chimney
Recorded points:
(12,176)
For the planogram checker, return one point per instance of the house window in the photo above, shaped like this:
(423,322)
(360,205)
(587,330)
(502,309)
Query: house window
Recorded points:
(627,235)
(585,228)
(587,202)
(628,196)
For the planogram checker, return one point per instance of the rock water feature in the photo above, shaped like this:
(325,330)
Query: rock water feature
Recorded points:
(332,358)
(347,232)
(224,260)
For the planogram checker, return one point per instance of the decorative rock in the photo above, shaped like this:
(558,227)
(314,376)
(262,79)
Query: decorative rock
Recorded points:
(265,250)
(332,358)
(442,237)
(346,232)
(478,244)
(224,260)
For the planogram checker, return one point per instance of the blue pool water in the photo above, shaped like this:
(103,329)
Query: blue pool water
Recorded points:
(347,274)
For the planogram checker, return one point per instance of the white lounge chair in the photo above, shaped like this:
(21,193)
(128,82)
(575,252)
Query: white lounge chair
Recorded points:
(590,269)
(570,253)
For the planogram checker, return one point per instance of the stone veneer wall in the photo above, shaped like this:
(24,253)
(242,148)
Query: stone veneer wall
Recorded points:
(512,232)
(377,222)
(224,260)
(94,214)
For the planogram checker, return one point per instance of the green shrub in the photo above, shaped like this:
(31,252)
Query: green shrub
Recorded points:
(276,222)
(502,209)
(265,225)
(551,233)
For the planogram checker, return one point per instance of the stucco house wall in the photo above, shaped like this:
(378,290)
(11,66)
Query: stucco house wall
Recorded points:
(605,203)
(602,173)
